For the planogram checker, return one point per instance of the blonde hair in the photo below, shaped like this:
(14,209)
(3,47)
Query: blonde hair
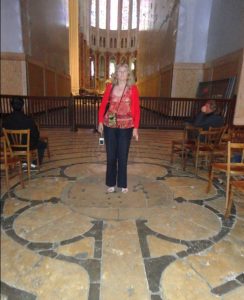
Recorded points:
(130,78)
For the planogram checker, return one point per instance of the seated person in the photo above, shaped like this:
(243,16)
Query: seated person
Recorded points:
(207,117)
(18,120)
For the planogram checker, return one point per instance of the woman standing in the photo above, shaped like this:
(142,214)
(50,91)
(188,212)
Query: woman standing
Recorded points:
(119,122)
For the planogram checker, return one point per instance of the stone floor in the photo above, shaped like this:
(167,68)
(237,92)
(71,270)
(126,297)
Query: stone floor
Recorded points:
(64,237)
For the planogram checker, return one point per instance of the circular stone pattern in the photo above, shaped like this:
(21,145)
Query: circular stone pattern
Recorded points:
(88,195)
(143,193)
(42,223)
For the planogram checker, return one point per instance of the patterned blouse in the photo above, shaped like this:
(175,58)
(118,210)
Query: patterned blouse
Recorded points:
(121,107)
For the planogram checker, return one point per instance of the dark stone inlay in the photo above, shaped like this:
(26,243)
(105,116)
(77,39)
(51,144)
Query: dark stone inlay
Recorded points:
(229,222)
(49,253)
(198,202)
(94,291)
(182,254)
(170,239)
(156,297)
(54,200)
(8,222)
(226,287)
(95,231)
(160,178)
(223,232)
(180,199)
(92,266)
(11,233)
(40,246)
(198,246)
(98,249)
(215,211)
(240,278)
(13,293)
(154,269)
(72,240)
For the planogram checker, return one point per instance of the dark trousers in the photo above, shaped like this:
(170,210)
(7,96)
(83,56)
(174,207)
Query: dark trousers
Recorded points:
(117,142)
(41,146)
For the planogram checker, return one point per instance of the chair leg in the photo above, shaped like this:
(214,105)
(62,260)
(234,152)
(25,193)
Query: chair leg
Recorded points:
(21,176)
(29,166)
(227,192)
(171,157)
(196,164)
(229,201)
(210,179)
(7,179)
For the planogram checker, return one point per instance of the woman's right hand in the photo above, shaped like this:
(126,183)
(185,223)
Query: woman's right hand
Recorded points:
(100,128)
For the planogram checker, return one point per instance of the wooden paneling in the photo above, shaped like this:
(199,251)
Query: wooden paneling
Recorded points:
(63,85)
(166,83)
(50,83)
(35,80)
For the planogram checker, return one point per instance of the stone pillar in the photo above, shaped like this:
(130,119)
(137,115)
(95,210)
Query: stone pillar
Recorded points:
(74,45)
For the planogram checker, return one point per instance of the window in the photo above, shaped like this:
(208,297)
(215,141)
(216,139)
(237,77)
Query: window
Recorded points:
(92,68)
(113,14)
(144,15)
(125,15)
(102,67)
(111,67)
(93,13)
(111,43)
(115,43)
(134,14)
(102,14)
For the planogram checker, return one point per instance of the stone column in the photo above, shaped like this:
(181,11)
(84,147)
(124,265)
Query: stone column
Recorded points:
(74,45)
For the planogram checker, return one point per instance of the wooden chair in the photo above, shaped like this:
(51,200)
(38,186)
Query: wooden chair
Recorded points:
(179,147)
(207,145)
(8,162)
(237,184)
(19,142)
(237,134)
(230,168)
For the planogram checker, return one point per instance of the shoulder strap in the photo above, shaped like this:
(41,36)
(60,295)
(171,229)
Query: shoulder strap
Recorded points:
(121,97)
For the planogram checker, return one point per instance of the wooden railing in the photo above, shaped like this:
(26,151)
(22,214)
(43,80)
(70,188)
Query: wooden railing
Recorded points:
(82,111)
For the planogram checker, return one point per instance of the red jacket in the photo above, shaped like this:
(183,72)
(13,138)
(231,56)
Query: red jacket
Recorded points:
(135,106)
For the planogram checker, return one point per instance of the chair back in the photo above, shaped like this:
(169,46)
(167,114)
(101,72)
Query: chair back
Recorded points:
(211,137)
(17,140)
(6,151)
(234,148)
(237,134)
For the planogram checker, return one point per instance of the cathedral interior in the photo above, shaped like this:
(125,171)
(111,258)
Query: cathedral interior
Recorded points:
(62,235)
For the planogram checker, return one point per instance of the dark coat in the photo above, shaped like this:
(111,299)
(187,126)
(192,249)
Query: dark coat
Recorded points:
(208,120)
(18,120)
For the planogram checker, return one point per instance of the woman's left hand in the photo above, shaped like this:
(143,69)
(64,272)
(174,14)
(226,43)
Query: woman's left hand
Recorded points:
(135,134)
